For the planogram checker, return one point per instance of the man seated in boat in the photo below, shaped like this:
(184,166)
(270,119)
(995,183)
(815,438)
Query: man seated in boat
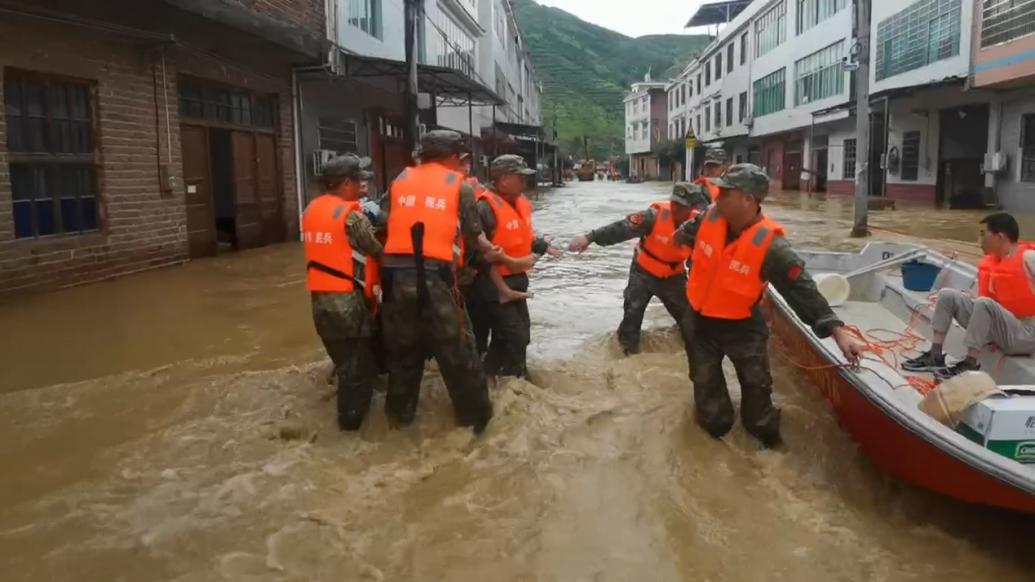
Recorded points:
(737,251)
(1003,313)
(659,265)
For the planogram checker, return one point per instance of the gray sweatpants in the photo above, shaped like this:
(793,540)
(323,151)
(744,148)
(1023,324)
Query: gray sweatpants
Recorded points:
(985,322)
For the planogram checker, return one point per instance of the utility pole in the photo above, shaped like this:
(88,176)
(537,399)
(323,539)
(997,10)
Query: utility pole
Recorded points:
(862,119)
(412,11)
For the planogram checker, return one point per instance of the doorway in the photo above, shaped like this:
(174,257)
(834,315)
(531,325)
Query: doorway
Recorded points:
(961,149)
(792,166)
(224,206)
(234,193)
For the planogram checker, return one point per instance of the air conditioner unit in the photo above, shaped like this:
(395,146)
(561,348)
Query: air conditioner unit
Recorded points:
(320,158)
(749,122)
(995,163)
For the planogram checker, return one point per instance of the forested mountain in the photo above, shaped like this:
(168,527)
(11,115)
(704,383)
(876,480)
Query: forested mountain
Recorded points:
(586,69)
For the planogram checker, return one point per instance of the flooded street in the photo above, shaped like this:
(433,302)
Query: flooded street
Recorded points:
(178,425)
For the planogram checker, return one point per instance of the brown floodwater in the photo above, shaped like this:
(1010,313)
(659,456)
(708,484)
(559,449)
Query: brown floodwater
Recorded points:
(178,425)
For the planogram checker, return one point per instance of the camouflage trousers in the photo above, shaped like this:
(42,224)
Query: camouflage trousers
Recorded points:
(641,288)
(440,329)
(346,329)
(502,332)
(745,343)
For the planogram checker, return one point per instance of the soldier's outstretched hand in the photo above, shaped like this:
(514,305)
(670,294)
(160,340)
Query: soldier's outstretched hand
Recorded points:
(579,244)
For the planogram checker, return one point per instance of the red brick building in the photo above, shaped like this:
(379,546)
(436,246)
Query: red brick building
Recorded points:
(139,134)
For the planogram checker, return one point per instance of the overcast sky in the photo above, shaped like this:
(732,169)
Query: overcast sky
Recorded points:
(633,17)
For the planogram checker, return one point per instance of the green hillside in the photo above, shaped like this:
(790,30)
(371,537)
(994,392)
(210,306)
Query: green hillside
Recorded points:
(586,70)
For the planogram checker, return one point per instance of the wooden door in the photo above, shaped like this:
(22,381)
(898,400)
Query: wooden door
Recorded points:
(197,180)
(271,197)
(247,222)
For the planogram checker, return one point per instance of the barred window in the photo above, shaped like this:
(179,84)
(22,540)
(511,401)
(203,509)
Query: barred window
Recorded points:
(769,93)
(1028,148)
(337,134)
(924,33)
(51,154)
(812,12)
(819,75)
(848,166)
(1006,20)
(910,155)
(771,29)
(214,102)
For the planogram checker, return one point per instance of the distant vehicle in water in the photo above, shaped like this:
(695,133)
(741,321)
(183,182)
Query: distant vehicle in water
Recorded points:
(586,170)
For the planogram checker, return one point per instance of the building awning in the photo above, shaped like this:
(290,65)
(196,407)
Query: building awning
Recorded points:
(449,86)
(717,12)
(519,130)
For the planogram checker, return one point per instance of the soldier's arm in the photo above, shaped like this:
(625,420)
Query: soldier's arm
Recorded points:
(686,234)
(362,236)
(488,221)
(635,225)
(470,219)
(785,270)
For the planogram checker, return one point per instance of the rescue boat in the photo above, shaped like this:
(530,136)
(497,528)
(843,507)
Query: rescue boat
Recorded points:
(878,403)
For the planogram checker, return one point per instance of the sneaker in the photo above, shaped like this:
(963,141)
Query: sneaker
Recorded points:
(925,362)
(966,365)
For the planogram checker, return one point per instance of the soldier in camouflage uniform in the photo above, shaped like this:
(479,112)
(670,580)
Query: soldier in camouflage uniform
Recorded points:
(744,340)
(715,163)
(643,285)
(343,320)
(423,312)
(508,322)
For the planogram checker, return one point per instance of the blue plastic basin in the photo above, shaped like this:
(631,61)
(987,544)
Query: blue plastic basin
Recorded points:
(919,276)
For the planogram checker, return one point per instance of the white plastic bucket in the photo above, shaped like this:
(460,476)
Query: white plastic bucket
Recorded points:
(834,287)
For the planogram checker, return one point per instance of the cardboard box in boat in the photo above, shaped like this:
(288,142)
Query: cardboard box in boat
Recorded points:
(1003,424)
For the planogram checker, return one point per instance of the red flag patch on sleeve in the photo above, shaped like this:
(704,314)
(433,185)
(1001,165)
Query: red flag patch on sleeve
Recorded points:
(794,272)
(636,219)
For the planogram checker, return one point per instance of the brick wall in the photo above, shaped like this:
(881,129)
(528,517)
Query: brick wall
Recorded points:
(841,187)
(140,226)
(308,14)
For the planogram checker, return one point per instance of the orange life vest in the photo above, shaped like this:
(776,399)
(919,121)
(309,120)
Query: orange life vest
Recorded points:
(1006,281)
(713,190)
(428,194)
(332,265)
(658,253)
(514,233)
(726,281)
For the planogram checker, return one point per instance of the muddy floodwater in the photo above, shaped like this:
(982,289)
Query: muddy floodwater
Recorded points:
(178,425)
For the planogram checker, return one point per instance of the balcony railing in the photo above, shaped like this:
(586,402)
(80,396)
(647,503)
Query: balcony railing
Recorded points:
(1006,20)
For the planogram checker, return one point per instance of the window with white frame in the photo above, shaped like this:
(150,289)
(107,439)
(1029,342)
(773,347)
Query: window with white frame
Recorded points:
(848,163)
(819,75)
(366,16)
(812,12)
(771,29)
(770,93)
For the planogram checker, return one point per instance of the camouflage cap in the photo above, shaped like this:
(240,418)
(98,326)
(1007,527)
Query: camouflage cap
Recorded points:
(747,178)
(690,195)
(510,164)
(347,167)
(441,143)
(715,156)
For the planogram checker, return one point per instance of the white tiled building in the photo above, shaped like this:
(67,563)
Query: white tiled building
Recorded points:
(646,125)
(786,101)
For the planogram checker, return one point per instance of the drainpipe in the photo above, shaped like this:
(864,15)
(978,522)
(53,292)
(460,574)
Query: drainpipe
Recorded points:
(887,136)
(296,114)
